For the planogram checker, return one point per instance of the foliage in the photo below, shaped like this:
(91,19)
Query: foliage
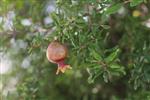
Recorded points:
(108,42)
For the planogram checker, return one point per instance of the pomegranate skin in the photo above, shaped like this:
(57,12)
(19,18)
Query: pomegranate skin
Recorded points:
(56,52)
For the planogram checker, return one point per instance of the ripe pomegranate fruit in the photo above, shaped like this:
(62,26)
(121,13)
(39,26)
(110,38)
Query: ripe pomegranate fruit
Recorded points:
(56,53)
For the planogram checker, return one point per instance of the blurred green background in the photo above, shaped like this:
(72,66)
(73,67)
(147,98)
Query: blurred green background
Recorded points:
(108,43)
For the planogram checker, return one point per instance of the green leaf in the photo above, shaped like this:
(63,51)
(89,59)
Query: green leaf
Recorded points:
(55,18)
(115,66)
(93,74)
(112,56)
(105,26)
(105,76)
(30,50)
(96,55)
(122,70)
(90,79)
(136,84)
(115,73)
(135,2)
(113,9)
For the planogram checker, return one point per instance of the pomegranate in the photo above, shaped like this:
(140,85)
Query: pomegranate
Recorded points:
(56,53)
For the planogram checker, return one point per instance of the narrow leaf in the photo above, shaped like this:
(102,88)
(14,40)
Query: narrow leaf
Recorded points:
(55,18)
(105,26)
(115,66)
(112,56)
(113,9)
(105,76)
(96,55)
(135,2)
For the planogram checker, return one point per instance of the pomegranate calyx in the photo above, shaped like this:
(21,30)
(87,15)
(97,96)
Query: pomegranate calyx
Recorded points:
(62,67)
